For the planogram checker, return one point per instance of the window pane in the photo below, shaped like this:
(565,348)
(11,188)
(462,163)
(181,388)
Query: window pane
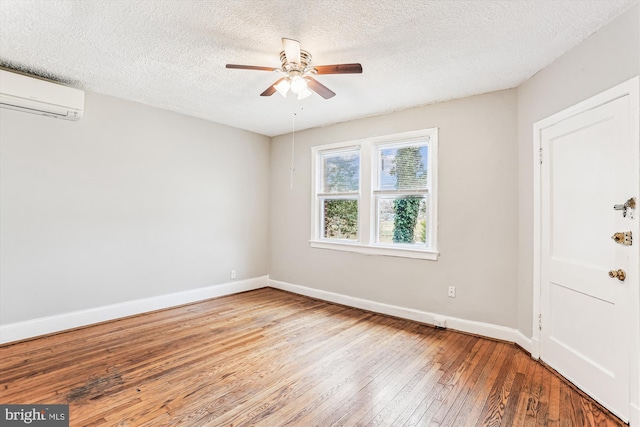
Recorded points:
(402,168)
(340,219)
(341,172)
(402,220)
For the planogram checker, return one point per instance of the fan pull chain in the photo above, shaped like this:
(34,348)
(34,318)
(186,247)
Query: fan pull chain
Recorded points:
(293,148)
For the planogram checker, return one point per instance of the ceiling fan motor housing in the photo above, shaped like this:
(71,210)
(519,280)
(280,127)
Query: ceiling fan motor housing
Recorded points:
(305,60)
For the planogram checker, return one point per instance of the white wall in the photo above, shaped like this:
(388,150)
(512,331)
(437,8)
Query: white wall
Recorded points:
(607,58)
(130,202)
(478,217)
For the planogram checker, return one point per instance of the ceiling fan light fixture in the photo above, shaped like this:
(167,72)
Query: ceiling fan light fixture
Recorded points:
(304,94)
(283,87)
(298,84)
(297,72)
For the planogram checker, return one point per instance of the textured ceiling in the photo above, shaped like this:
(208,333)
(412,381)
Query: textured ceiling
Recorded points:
(172,53)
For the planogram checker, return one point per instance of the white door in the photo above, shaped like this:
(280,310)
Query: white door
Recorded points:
(589,164)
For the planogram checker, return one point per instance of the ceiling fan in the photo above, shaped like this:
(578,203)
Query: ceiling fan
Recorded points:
(296,64)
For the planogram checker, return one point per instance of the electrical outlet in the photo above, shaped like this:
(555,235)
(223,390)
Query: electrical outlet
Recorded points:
(233,274)
(452,292)
(439,322)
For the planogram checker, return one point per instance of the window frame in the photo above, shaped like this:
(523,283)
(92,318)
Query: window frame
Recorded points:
(369,194)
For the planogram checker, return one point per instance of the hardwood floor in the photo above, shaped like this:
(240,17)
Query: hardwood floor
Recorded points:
(272,358)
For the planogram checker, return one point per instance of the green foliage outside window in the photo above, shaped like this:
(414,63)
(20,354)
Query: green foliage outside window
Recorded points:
(409,170)
(341,219)
(405,219)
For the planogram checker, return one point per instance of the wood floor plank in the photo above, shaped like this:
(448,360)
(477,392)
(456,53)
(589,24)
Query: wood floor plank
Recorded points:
(448,380)
(306,375)
(233,385)
(499,396)
(428,388)
(428,403)
(520,414)
(305,370)
(339,384)
(391,397)
(272,358)
(535,394)
(167,356)
(554,401)
(322,350)
(452,405)
(478,395)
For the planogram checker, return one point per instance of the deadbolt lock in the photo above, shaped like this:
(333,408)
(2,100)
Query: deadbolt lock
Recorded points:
(618,274)
(624,238)
(627,208)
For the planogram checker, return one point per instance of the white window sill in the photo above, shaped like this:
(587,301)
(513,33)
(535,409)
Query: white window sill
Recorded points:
(376,250)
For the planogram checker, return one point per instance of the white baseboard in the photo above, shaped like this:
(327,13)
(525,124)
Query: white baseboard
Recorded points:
(535,348)
(470,326)
(46,325)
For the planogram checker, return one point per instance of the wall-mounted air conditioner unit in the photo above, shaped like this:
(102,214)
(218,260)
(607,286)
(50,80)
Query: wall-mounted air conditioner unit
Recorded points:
(31,95)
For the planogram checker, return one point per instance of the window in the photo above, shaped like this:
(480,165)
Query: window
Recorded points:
(339,195)
(377,196)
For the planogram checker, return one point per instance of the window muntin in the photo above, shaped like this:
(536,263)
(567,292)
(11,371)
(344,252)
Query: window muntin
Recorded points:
(377,196)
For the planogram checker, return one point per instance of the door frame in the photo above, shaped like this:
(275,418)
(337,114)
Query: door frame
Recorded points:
(631,88)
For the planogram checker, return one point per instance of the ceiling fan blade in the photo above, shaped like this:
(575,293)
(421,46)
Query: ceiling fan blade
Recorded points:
(272,89)
(250,67)
(339,69)
(291,50)
(319,88)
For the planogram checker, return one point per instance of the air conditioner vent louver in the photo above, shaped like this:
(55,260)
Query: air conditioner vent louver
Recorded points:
(31,95)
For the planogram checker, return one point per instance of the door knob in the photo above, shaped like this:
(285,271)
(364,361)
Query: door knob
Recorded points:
(618,274)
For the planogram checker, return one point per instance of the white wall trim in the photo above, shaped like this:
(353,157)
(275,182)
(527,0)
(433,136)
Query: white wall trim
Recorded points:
(634,416)
(479,328)
(46,325)
(375,250)
(535,348)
